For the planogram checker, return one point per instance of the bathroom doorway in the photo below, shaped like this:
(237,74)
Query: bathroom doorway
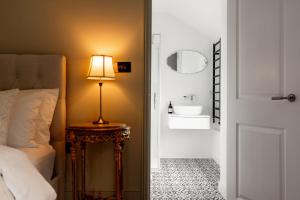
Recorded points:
(258,136)
(187,157)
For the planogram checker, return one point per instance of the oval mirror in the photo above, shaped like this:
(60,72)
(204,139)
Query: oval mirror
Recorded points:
(187,61)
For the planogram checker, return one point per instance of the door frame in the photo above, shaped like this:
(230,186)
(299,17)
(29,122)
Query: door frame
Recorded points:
(147,101)
(224,187)
(232,8)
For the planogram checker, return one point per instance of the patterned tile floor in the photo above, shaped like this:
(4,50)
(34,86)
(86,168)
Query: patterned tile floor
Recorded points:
(186,179)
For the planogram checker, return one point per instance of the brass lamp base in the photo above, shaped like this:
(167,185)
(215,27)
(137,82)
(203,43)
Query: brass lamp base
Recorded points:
(101,121)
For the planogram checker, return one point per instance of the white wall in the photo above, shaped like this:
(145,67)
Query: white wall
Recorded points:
(203,15)
(176,35)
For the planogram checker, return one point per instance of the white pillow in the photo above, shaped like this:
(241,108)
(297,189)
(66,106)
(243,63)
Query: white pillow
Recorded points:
(7,100)
(46,111)
(22,126)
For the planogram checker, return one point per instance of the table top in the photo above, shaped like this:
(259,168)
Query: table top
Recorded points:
(98,127)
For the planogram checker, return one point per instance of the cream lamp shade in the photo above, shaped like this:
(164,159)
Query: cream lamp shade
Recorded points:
(101,68)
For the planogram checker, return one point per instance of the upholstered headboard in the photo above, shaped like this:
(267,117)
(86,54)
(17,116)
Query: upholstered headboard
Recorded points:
(41,72)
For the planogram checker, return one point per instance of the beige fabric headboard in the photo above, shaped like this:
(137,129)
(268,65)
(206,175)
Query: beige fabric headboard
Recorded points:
(41,72)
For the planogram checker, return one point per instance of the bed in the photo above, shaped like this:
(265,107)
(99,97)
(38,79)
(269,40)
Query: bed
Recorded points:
(43,158)
(42,72)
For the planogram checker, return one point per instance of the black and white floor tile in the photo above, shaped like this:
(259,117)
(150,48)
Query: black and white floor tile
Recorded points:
(186,179)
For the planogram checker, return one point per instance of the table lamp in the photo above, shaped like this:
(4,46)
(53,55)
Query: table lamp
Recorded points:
(101,68)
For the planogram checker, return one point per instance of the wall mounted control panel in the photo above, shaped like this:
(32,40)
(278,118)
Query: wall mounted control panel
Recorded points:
(124,67)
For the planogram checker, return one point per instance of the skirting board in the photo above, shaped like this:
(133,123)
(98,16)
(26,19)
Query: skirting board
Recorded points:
(222,189)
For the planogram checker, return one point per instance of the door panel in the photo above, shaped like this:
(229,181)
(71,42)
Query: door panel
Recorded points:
(259,55)
(259,159)
(263,135)
(155,102)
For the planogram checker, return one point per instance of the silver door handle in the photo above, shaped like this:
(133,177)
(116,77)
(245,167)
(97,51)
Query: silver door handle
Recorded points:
(290,98)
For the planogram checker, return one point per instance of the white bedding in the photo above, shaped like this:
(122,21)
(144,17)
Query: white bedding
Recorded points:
(42,158)
(5,194)
(21,178)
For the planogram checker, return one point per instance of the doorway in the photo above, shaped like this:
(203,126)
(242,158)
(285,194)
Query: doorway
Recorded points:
(187,157)
(259,137)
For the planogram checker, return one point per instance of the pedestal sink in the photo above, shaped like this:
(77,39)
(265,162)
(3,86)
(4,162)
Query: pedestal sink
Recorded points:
(188,109)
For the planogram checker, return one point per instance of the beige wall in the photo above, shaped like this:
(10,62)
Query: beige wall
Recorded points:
(78,29)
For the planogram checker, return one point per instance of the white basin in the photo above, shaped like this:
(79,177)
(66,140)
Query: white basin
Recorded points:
(188,109)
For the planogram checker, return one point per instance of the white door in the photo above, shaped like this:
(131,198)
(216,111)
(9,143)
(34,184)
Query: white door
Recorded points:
(263,134)
(155,101)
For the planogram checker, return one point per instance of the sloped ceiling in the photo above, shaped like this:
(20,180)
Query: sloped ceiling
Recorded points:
(203,15)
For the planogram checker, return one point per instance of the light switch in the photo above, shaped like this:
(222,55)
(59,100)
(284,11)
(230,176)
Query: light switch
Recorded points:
(124,67)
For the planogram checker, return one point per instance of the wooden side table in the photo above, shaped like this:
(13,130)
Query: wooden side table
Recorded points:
(79,135)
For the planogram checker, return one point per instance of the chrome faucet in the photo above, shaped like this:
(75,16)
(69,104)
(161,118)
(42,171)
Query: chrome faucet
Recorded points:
(191,97)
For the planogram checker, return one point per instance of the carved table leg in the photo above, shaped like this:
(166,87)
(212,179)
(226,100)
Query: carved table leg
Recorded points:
(83,148)
(73,160)
(121,168)
(118,162)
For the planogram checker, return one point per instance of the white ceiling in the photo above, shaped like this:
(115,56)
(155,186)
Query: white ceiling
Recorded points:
(203,15)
